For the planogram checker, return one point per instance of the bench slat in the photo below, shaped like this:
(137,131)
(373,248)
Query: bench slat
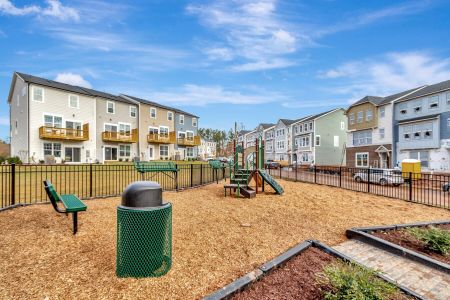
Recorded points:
(72,203)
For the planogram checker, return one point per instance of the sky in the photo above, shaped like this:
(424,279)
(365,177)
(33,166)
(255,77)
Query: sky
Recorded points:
(229,61)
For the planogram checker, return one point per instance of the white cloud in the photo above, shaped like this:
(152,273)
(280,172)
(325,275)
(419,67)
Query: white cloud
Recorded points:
(73,79)
(197,95)
(387,74)
(251,31)
(54,9)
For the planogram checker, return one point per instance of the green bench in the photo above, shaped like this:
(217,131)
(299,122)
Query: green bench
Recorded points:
(71,203)
(150,166)
(216,164)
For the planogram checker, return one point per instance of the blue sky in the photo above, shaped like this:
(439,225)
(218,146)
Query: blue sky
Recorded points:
(245,61)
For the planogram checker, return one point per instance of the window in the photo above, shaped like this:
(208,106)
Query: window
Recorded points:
(151,151)
(369,115)
(72,154)
(406,136)
(110,107)
(124,150)
(433,102)
(74,101)
(382,112)
(342,125)
(300,128)
(133,111)
(110,127)
(417,135)
(448,98)
(352,118)
(381,131)
(428,134)
(423,156)
(296,129)
(403,111)
(181,119)
(310,126)
(362,138)
(52,149)
(362,160)
(417,109)
(110,153)
(124,128)
(360,117)
(317,140)
(164,150)
(53,121)
(164,131)
(152,112)
(336,141)
(190,152)
(38,94)
(189,135)
(169,116)
(194,122)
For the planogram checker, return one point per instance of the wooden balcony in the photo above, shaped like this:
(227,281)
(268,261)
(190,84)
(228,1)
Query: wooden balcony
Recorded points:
(64,134)
(161,138)
(121,137)
(193,141)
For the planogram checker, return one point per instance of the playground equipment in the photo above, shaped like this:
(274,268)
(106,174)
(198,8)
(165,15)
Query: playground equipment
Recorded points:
(244,169)
(169,169)
(217,165)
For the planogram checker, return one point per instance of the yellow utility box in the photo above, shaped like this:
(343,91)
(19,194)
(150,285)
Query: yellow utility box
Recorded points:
(411,166)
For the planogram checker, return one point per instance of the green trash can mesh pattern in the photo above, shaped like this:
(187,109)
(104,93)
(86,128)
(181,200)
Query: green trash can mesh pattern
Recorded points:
(144,241)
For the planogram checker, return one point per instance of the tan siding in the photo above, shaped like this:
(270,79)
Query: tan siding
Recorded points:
(364,125)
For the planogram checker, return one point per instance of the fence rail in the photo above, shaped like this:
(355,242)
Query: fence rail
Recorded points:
(22,184)
(421,188)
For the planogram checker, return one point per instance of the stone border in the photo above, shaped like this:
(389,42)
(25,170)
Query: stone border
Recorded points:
(364,234)
(244,281)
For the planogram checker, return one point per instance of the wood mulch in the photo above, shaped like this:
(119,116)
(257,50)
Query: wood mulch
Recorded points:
(402,238)
(215,240)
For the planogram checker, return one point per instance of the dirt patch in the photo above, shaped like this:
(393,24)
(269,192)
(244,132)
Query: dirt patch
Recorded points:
(402,238)
(40,257)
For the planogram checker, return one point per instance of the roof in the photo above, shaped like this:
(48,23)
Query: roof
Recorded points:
(372,99)
(429,89)
(313,117)
(266,125)
(242,132)
(397,96)
(158,105)
(68,87)
(287,121)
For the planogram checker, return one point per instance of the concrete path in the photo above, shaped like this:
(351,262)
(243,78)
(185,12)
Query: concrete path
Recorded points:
(425,281)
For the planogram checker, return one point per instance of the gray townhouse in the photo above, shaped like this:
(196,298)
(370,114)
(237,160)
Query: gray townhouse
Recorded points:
(187,138)
(250,137)
(282,140)
(422,127)
(320,139)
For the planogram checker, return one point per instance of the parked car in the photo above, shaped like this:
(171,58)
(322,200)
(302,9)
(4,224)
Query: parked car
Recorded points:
(270,164)
(223,159)
(446,187)
(380,176)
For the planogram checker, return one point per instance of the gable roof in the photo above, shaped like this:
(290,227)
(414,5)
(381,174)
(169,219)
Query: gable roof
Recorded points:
(400,95)
(372,99)
(179,111)
(287,122)
(313,117)
(266,125)
(429,89)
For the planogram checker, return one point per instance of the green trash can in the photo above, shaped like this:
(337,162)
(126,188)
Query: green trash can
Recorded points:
(144,232)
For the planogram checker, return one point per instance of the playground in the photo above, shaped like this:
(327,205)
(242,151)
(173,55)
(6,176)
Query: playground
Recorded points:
(215,239)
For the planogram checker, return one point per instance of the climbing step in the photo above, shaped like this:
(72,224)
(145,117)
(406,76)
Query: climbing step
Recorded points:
(425,281)
(248,192)
(269,179)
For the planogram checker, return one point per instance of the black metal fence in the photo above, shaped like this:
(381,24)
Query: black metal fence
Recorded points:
(425,188)
(22,184)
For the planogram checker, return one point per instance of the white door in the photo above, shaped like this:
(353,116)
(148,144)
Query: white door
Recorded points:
(151,152)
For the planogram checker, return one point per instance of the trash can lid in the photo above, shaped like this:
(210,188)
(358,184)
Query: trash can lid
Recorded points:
(142,194)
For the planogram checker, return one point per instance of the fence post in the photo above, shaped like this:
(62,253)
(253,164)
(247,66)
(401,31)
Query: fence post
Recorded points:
(410,186)
(315,174)
(13,184)
(340,176)
(192,175)
(90,180)
(296,166)
(368,180)
(201,174)
(280,171)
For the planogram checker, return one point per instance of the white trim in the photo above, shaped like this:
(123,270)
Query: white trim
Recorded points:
(53,115)
(110,124)
(165,127)
(170,113)
(70,146)
(78,101)
(104,154)
(181,118)
(32,94)
(150,113)
(118,153)
(315,140)
(356,159)
(153,156)
(178,133)
(152,127)
(192,122)
(114,107)
(129,111)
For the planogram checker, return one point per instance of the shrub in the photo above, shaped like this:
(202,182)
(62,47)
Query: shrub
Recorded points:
(435,239)
(2,159)
(14,160)
(120,159)
(344,281)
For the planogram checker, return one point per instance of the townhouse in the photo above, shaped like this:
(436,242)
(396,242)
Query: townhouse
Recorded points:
(269,143)
(320,139)
(282,140)
(207,148)
(422,126)
(259,131)
(56,122)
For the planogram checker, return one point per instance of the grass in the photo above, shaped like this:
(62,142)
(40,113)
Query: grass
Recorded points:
(349,281)
(435,239)
(215,240)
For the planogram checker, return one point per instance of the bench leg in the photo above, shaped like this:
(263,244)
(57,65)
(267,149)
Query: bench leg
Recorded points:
(75,222)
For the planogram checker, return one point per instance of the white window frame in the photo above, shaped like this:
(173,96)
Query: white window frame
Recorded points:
(125,124)
(165,127)
(315,141)
(448,123)
(342,125)
(382,112)
(181,120)
(187,153)
(190,131)
(382,133)
(194,124)
(153,152)
(53,148)
(336,141)
(124,156)
(152,127)
(356,159)
(43,94)
(357,116)
(53,115)
(135,112)
(369,115)
(169,113)
(150,111)
(160,146)
(110,124)
(104,153)
(351,118)
(78,101)
(113,107)
(448,99)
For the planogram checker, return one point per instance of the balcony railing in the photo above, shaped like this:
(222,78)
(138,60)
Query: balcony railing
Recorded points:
(189,141)
(121,137)
(161,138)
(68,134)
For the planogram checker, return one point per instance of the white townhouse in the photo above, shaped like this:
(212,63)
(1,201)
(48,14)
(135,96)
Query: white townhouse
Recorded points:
(207,148)
(269,143)
(51,121)
(259,131)
(282,140)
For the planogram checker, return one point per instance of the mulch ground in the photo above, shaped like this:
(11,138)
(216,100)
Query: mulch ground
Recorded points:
(215,240)
(403,238)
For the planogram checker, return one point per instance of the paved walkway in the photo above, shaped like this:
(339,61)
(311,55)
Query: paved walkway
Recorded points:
(425,281)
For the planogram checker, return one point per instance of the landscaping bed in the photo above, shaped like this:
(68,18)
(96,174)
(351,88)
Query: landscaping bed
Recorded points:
(415,240)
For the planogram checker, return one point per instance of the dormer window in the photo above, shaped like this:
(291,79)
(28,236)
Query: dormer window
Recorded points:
(434,102)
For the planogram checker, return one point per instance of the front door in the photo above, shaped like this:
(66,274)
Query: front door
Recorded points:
(383,160)
(151,152)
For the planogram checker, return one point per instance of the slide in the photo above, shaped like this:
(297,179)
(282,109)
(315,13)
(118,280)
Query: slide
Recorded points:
(269,179)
